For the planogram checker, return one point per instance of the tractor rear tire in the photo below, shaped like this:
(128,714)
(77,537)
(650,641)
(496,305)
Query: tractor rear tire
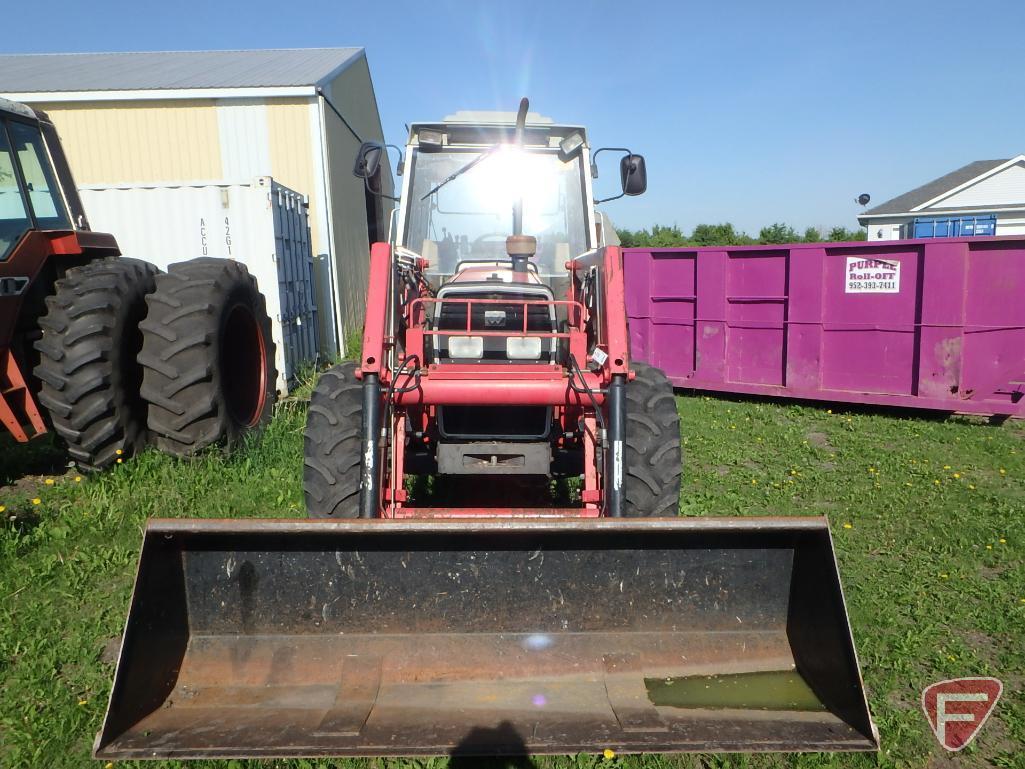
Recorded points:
(207,357)
(87,360)
(652,458)
(333,445)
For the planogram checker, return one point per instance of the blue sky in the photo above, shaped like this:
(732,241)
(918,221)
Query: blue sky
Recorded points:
(751,112)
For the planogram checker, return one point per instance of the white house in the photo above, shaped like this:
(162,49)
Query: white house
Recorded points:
(986,197)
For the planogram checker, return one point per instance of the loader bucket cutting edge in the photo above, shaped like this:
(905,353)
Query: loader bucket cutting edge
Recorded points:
(360,638)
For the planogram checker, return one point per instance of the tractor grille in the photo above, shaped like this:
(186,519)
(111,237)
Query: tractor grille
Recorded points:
(495,422)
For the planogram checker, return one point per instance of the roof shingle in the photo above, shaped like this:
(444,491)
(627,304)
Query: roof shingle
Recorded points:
(158,70)
(904,203)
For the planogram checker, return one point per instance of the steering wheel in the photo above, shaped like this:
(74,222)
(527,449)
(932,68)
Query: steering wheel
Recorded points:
(481,239)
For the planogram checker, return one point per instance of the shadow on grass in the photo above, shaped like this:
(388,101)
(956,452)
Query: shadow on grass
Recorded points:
(41,456)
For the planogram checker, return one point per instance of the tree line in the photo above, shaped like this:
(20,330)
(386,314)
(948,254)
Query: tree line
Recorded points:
(725,234)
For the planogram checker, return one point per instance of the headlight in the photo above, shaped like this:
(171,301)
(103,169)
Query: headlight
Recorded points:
(523,347)
(466,347)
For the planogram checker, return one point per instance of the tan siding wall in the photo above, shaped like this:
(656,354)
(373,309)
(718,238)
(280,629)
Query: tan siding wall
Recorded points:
(292,152)
(128,142)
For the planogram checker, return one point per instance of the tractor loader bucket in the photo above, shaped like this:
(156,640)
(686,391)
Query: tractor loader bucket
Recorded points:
(364,638)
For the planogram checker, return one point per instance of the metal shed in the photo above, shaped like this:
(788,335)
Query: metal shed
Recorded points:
(220,117)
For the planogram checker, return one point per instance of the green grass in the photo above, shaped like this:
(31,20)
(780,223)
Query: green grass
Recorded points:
(926,516)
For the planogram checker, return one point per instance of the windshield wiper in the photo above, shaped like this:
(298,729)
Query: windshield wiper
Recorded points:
(461,171)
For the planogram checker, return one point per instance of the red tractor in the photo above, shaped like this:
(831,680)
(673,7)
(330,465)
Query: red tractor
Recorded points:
(109,351)
(508,586)
(495,362)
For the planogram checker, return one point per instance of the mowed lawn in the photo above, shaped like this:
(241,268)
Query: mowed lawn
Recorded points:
(927,517)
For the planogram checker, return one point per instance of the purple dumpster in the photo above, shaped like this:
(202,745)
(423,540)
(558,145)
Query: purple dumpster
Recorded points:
(935,324)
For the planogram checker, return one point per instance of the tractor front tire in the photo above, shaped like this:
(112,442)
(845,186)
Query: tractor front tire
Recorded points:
(652,460)
(87,360)
(207,357)
(333,445)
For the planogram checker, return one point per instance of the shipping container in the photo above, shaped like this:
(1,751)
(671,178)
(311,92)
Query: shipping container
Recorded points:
(936,324)
(954,226)
(261,224)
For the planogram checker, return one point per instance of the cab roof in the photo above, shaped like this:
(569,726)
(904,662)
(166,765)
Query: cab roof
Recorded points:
(17,108)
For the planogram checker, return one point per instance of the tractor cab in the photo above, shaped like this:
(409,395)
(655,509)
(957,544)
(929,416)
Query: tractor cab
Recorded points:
(468,182)
(495,208)
(36,191)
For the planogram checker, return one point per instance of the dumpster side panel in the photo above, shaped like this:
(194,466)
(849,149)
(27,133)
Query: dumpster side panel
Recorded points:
(936,323)
(869,339)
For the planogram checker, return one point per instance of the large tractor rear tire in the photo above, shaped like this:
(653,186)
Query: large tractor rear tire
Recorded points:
(652,457)
(88,370)
(207,357)
(333,445)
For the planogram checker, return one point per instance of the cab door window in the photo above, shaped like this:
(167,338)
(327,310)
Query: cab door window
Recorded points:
(43,191)
(14,218)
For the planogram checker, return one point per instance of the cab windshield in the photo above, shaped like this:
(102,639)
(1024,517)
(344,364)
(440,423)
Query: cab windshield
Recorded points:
(468,217)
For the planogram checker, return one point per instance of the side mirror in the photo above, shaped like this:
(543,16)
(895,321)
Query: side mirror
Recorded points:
(633,174)
(368,160)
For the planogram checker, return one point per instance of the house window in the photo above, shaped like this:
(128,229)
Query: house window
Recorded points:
(955,226)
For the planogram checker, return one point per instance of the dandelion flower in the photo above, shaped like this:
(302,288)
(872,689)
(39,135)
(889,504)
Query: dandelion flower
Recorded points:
(937,481)
(609,754)
(871,469)
(971,486)
(944,575)
(946,467)
(36,501)
(754,481)
(793,471)
(48,481)
(848,526)
(119,452)
(78,479)
(1003,541)
(956,475)
(1003,471)
(829,411)
(119,460)
(83,702)
(2,508)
